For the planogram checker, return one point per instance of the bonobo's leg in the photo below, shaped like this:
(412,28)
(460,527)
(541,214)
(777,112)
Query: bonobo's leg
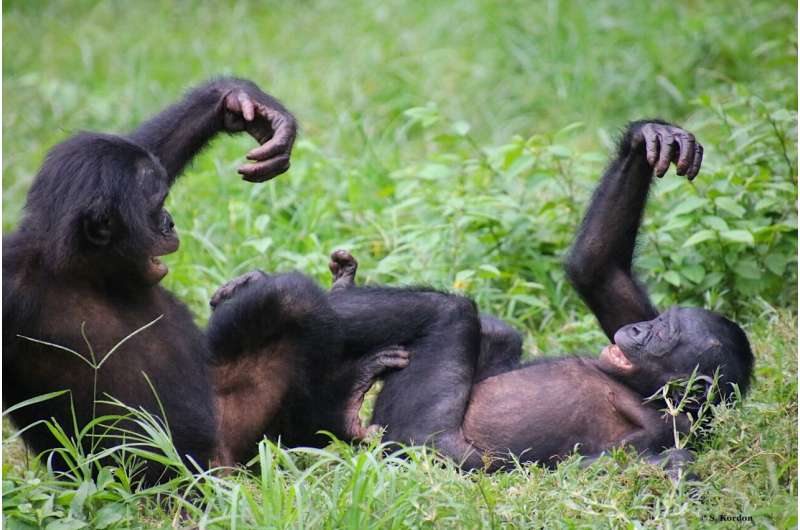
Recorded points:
(675,463)
(276,343)
(501,348)
(501,345)
(343,268)
(426,401)
(599,264)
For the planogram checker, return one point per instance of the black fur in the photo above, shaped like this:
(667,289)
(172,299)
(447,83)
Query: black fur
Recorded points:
(82,253)
(464,390)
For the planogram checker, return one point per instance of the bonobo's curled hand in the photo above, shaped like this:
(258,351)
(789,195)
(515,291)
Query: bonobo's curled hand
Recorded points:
(369,370)
(248,108)
(229,288)
(664,143)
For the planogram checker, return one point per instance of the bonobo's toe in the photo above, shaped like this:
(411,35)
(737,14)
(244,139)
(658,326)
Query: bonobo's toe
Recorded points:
(343,267)
(342,262)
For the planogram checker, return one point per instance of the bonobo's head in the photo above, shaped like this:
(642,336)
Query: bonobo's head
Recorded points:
(97,207)
(647,355)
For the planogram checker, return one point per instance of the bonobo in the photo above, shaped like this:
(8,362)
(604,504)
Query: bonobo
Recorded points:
(464,390)
(542,410)
(282,368)
(87,253)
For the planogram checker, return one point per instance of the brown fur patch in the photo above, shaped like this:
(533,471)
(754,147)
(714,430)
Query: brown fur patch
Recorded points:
(249,392)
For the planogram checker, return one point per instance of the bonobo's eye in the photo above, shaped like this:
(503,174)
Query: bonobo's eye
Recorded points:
(664,334)
(166,224)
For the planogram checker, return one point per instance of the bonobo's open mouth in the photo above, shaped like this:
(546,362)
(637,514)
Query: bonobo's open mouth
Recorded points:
(615,357)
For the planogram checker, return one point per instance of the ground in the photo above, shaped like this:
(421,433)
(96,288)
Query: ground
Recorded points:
(452,144)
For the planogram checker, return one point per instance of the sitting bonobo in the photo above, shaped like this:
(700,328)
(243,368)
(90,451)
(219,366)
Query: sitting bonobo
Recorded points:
(82,271)
(464,390)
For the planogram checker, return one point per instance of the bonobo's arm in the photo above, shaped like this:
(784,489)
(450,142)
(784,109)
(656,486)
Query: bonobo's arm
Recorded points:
(179,132)
(599,264)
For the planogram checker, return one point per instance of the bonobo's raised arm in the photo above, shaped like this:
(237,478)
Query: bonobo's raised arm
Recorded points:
(599,264)
(179,132)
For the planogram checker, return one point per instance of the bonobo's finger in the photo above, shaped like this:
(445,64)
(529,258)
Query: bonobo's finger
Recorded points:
(280,141)
(394,358)
(650,145)
(665,141)
(696,162)
(229,288)
(232,103)
(248,111)
(262,171)
(686,145)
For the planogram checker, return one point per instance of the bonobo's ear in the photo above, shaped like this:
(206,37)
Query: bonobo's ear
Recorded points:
(98,229)
(703,389)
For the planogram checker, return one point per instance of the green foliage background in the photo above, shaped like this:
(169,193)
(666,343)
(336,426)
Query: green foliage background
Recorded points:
(456,144)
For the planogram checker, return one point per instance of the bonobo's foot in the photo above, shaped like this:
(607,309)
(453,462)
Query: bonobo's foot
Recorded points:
(665,143)
(674,462)
(370,369)
(343,267)
(227,290)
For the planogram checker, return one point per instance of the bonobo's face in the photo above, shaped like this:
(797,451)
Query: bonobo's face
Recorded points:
(130,229)
(646,355)
(163,239)
(166,241)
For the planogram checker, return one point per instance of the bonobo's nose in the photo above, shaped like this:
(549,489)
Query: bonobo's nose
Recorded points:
(638,332)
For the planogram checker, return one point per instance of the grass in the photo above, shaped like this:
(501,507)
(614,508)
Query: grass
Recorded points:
(454,144)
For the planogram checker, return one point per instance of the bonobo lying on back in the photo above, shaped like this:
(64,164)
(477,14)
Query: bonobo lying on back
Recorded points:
(464,391)
(542,410)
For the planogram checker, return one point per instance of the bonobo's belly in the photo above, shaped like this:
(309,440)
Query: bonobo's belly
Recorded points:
(540,412)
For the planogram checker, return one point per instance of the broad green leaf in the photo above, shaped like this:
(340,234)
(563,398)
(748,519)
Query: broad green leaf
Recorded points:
(738,236)
(261,222)
(491,269)
(66,524)
(261,245)
(695,273)
(677,223)
(748,268)
(717,223)
(673,277)
(699,237)
(784,115)
(465,274)
(86,489)
(109,514)
(461,128)
(435,172)
(560,151)
(712,279)
(730,206)
(690,204)
(776,263)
